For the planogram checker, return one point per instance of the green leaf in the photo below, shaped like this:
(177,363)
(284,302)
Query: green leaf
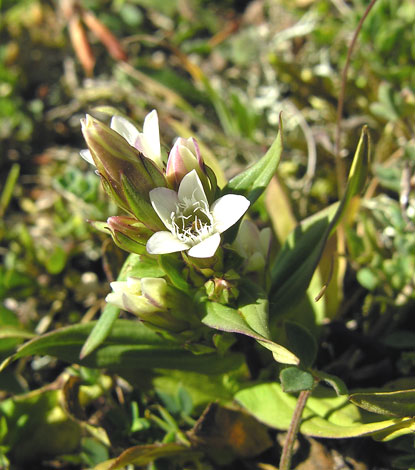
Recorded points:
(101,330)
(254,307)
(325,414)
(301,342)
(295,264)
(335,382)
(400,403)
(252,182)
(221,317)
(129,346)
(294,379)
(9,185)
(55,261)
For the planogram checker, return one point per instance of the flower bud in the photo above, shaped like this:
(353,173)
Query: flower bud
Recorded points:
(183,158)
(146,142)
(154,302)
(128,233)
(221,290)
(126,174)
(252,245)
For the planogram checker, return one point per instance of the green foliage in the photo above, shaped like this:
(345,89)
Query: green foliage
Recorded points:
(269,404)
(223,76)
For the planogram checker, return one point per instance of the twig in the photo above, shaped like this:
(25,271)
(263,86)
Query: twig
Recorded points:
(287,450)
(340,170)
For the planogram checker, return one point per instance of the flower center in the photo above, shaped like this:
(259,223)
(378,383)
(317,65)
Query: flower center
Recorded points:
(192,222)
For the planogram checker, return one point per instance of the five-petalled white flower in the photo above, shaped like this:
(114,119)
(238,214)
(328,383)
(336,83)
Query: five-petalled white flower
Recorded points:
(147,142)
(192,224)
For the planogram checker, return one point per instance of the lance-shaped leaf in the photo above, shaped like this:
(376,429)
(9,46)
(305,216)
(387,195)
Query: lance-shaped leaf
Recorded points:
(129,346)
(252,182)
(400,403)
(299,257)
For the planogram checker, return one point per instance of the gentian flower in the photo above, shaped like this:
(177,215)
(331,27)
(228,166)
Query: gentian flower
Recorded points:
(192,224)
(253,245)
(146,142)
(126,173)
(153,301)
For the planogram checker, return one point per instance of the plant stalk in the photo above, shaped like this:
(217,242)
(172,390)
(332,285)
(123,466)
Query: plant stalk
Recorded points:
(340,167)
(287,450)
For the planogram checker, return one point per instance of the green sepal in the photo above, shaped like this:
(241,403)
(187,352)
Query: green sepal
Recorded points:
(140,205)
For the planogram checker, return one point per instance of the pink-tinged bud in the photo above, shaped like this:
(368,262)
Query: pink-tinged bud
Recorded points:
(183,158)
(128,233)
(126,174)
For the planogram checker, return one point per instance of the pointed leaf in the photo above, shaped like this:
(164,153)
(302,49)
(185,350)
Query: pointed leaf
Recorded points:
(299,257)
(400,403)
(101,330)
(252,182)
(335,382)
(129,346)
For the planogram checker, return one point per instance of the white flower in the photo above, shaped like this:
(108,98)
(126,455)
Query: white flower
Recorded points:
(253,245)
(147,142)
(192,224)
(132,295)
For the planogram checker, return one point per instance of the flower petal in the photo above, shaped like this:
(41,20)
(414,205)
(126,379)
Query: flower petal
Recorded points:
(152,134)
(164,202)
(164,242)
(206,248)
(175,168)
(227,210)
(125,128)
(86,155)
(191,188)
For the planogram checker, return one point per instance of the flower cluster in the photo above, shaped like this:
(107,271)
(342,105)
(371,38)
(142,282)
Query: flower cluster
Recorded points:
(172,205)
(131,167)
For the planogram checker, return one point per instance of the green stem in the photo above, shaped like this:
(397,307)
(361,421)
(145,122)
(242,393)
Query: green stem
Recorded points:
(287,450)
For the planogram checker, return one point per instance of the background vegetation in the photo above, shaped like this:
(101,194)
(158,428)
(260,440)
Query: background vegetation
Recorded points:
(221,71)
